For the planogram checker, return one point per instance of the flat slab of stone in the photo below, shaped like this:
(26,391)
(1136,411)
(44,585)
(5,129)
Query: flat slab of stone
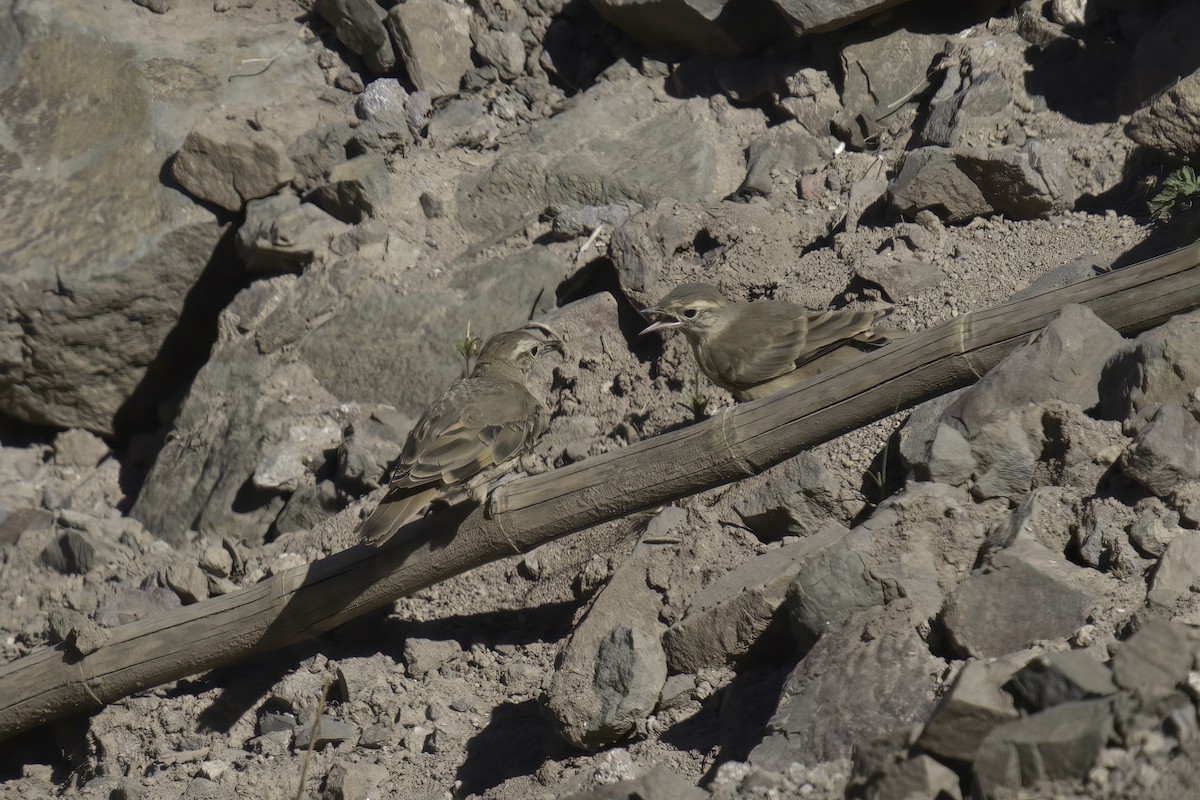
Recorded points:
(1028,593)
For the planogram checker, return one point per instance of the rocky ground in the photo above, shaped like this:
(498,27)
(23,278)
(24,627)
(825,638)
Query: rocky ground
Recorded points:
(241,239)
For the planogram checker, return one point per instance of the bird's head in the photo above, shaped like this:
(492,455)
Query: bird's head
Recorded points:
(516,349)
(694,308)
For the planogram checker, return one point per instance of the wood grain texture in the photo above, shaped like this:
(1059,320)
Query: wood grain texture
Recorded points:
(738,442)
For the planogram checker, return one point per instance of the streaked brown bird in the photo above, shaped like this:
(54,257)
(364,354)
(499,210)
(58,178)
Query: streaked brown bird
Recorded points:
(469,436)
(756,349)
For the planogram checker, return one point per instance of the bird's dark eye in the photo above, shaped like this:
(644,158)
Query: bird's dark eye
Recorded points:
(690,313)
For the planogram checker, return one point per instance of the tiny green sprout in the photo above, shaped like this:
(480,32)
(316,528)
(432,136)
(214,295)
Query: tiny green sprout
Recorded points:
(468,348)
(695,400)
(1178,186)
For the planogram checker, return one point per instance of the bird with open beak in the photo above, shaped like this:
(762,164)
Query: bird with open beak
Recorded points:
(468,437)
(759,348)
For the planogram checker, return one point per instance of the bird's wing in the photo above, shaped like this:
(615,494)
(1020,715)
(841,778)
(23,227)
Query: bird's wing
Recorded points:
(494,422)
(828,329)
(784,336)
(761,347)
(474,426)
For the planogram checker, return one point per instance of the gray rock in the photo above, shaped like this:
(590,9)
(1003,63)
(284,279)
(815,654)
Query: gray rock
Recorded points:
(658,784)
(77,340)
(1006,452)
(1169,123)
(856,685)
(612,670)
(369,446)
(676,691)
(783,152)
(1178,571)
(309,505)
(196,478)
(953,463)
(504,51)
(811,16)
(950,459)
(377,736)
(80,552)
(77,632)
(865,193)
(353,782)
(725,27)
(797,498)
(730,615)
(382,100)
(884,72)
(356,677)
(1045,515)
(1078,451)
(899,279)
(329,731)
(463,121)
(1065,363)
(187,581)
(831,584)
(317,151)
(915,779)
(157,6)
(201,788)
(1026,593)
(975,705)
(575,158)
(575,222)
(433,38)
(1166,454)
(355,189)
(226,162)
(1161,368)
(1062,677)
(281,234)
(358,24)
(126,604)
(1150,534)
(1061,743)
(274,722)
(1101,532)
(896,553)
(290,456)
(79,448)
(425,656)
(961,183)
(966,104)
(1155,660)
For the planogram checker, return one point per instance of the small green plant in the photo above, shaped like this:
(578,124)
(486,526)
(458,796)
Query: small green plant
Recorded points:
(468,348)
(694,399)
(1177,187)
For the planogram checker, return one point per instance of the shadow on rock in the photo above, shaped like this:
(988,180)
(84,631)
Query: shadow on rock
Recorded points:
(516,741)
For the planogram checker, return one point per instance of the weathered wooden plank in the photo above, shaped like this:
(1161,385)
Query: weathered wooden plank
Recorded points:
(736,443)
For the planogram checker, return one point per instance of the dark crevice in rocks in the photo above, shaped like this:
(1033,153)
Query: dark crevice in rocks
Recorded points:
(144,419)
(15,433)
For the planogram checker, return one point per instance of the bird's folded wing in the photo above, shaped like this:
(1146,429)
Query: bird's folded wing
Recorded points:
(766,350)
(829,329)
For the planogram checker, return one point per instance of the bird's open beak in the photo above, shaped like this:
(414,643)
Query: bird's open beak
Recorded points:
(667,322)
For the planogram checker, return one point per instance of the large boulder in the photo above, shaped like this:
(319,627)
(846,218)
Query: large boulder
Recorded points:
(299,354)
(92,115)
(607,148)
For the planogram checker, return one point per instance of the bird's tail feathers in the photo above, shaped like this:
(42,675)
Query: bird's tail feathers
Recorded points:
(397,508)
